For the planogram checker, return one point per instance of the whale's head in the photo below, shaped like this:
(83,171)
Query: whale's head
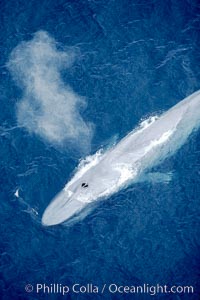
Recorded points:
(69,202)
(76,195)
(83,189)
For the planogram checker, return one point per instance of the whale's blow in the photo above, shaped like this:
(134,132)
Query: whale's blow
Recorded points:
(49,107)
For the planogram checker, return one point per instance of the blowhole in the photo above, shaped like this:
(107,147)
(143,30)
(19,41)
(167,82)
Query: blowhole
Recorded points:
(84,184)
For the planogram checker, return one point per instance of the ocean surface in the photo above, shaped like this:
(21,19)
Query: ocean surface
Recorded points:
(76,77)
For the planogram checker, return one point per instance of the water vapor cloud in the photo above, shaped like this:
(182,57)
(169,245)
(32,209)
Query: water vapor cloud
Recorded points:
(49,107)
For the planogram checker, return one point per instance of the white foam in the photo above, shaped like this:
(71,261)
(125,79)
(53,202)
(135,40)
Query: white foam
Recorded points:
(147,122)
(86,164)
(127,172)
(164,137)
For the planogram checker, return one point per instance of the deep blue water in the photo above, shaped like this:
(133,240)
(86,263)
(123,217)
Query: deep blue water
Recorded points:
(135,58)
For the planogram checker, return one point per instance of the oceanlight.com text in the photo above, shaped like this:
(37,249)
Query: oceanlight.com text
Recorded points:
(112,288)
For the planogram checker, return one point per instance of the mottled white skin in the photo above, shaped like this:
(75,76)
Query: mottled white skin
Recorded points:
(127,161)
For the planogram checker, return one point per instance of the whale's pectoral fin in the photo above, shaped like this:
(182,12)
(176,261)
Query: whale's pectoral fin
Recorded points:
(156,177)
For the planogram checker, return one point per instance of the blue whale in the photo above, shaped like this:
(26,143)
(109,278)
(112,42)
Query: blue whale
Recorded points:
(127,162)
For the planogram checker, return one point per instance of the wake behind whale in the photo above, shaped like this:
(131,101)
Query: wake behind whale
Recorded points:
(127,162)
